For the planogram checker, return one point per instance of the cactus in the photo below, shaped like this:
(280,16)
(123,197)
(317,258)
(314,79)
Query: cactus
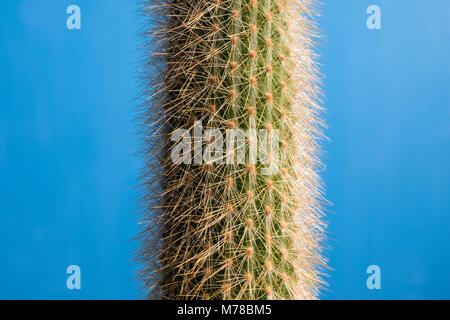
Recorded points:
(225,230)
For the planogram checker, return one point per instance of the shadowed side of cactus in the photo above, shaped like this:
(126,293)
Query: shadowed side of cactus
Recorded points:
(220,228)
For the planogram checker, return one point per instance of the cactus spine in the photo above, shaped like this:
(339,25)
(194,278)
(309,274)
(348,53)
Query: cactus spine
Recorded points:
(221,230)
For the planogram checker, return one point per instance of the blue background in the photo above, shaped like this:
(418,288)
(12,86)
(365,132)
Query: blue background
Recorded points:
(67,143)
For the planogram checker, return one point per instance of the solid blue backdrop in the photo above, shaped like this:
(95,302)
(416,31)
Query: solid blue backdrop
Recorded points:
(67,143)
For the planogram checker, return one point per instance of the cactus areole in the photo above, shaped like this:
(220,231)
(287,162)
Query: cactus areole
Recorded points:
(232,200)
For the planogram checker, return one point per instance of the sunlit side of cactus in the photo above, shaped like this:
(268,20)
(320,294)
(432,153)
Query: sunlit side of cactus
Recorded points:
(219,230)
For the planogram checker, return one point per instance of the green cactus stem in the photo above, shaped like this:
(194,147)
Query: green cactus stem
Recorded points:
(227,229)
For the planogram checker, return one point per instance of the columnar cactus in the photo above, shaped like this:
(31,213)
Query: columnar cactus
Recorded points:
(221,228)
